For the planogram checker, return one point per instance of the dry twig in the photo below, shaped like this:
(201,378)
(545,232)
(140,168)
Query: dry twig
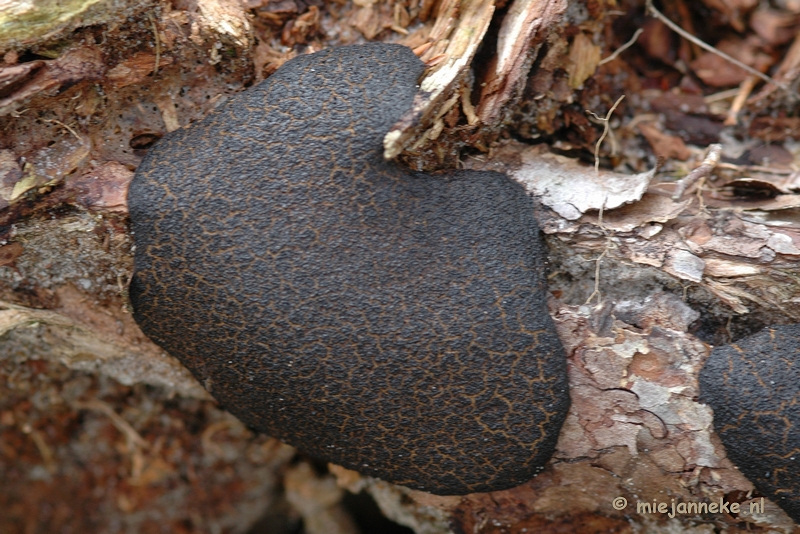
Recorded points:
(158,43)
(622,48)
(605,122)
(70,130)
(706,167)
(745,89)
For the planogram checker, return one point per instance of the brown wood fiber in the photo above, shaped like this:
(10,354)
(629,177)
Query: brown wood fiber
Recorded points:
(391,322)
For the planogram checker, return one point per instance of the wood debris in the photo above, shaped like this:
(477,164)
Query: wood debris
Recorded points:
(507,88)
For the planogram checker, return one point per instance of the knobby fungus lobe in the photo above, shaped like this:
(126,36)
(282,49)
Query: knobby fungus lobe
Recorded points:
(391,322)
(753,386)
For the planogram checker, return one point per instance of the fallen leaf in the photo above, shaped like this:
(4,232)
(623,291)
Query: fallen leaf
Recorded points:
(664,145)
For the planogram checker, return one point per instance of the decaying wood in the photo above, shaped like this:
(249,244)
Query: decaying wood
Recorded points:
(106,428)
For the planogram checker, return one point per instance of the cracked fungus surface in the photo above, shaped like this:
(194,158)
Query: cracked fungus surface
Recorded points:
(390,322)
(753,386)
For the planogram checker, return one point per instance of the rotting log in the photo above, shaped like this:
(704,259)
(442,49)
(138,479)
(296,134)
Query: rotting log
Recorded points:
(103,426)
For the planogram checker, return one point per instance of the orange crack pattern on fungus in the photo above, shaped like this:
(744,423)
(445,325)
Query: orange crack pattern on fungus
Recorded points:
(753,386)
(391,322)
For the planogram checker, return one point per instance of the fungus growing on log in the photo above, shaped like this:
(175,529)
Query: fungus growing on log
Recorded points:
(753,386)
(388,321)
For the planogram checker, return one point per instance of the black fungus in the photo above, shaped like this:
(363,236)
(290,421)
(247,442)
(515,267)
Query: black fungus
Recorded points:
(753,386)
(391,322)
